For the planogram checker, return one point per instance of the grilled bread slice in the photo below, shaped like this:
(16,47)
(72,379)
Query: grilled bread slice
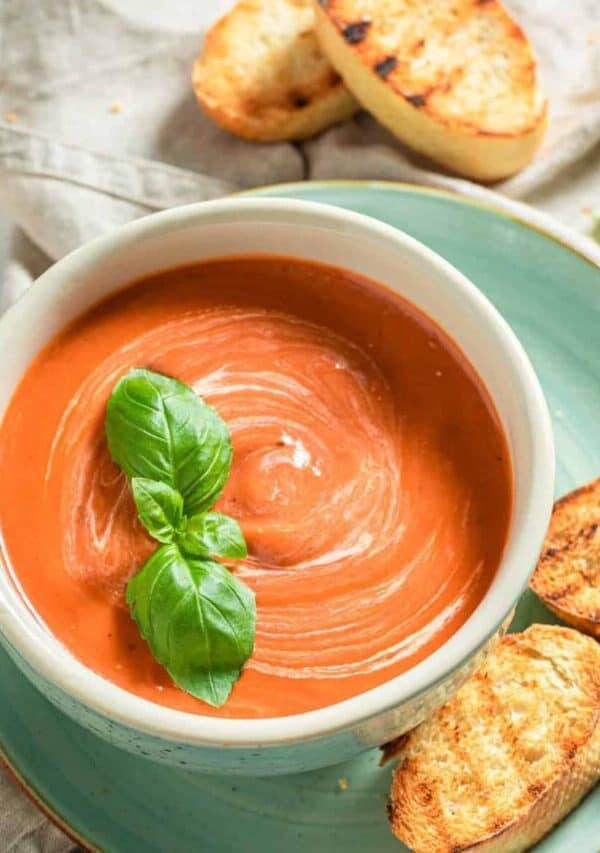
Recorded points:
(454,79)
(510,754)
(567,576)
(263,76)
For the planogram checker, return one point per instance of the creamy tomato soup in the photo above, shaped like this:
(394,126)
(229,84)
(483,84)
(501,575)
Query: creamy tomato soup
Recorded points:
(370,476)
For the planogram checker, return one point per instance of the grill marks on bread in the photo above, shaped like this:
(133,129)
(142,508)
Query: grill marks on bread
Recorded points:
(567,577)
(454,79)
(510,754)
(263,76)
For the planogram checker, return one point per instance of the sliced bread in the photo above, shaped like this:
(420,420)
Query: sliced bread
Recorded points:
(509,755)
(567,576)
(454,79)
(263,76)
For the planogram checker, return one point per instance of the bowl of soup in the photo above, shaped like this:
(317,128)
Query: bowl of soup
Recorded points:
(392,474)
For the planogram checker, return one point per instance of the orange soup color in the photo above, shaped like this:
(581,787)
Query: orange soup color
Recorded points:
(370,475)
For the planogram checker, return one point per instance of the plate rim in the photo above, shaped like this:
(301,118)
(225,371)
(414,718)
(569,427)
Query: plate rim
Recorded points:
(539,222)
(29,790)
(530,217)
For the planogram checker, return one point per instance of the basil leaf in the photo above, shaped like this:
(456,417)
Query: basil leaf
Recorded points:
(160,508)
(159,429)
(213,533)
(197,618)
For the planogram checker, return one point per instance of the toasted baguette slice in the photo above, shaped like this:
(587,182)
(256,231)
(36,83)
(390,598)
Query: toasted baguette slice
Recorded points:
(263,76)
(454,79)
(510,754)
(567,576)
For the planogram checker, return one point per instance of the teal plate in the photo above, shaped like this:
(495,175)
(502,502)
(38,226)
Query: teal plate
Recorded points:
(110,800)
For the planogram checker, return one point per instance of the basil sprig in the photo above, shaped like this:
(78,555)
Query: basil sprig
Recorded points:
(196,616)
(159,429)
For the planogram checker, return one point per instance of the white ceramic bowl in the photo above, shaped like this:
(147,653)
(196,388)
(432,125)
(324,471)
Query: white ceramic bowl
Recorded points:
(363,245)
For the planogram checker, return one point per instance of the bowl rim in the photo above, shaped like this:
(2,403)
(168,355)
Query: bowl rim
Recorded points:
(58,666)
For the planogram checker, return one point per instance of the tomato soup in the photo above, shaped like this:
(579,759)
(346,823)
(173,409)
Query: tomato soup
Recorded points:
(370,476)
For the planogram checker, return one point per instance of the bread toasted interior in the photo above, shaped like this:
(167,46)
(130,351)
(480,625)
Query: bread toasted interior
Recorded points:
(263,76)
(454,79)
(567,576)
(510,754)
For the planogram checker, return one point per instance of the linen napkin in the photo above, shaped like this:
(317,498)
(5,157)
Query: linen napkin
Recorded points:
(98,125)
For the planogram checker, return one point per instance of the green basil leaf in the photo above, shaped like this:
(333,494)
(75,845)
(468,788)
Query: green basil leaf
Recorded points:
(197,618)
(160,508)
(215,534)
(159,429)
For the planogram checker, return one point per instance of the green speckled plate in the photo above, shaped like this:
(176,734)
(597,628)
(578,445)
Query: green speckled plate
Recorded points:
(114,801)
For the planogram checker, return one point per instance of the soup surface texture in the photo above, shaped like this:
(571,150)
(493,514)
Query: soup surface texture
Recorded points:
(370,476)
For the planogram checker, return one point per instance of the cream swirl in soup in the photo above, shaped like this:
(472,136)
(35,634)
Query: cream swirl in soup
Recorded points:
(370,476)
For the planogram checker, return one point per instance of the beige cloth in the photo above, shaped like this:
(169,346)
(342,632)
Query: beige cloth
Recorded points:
(98,124)
(24,829)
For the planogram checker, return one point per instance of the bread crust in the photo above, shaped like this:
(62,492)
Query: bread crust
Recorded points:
(567,576)
(456,81)
(510,755)
(262,75)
